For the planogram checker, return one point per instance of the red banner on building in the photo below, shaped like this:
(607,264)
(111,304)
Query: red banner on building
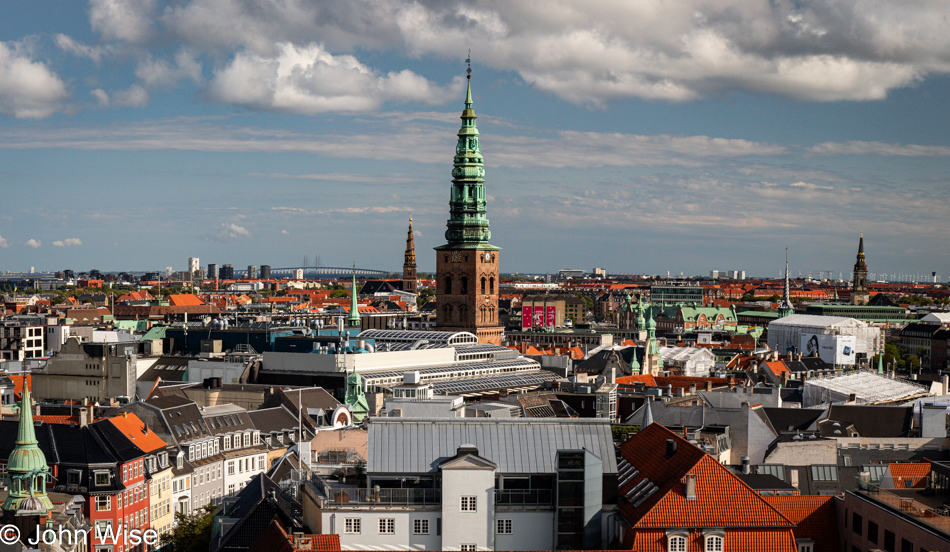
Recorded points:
(525,318)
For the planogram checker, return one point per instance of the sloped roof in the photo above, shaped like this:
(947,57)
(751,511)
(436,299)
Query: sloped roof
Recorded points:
(184,300)
(276,539)
(736,540)
(909,474)
(136,431)
(814,517)
(668,506)
(516,445)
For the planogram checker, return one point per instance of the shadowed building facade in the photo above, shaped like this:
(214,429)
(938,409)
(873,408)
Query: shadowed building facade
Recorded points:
(467,266)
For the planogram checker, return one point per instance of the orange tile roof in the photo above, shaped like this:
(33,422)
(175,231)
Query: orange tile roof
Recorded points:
(18,383)
(777,367)
(184,300)
(916,473)
(275,539)
(137,431)
(715,486)
(814,517)
(643,378)
(54,419)
(737,540)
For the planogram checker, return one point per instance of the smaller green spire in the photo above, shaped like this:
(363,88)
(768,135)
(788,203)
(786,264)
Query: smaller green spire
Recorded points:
(354,318)
(27,469)
(880,364)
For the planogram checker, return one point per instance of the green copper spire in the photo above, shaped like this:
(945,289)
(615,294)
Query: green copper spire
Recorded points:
(785,308)
(880,364)
(354,318)
(26,467)
(467,227)
(355,397)
(653,347)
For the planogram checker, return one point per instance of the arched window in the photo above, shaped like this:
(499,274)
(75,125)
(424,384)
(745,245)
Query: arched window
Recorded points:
(483,285)
(464,285)
(677,543)
(491,285)
(713,544)
(448,285)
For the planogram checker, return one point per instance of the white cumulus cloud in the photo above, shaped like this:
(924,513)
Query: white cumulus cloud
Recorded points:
(28,89)
(4,243)
(231,231)
(127,20)
(134,96)
(34,243)
(68,242)
(309,80)
(162,73)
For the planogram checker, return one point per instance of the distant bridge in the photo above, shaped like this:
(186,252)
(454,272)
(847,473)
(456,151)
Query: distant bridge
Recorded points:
(327,272)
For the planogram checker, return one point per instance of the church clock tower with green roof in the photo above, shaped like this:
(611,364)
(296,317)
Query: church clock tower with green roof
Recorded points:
(467,266)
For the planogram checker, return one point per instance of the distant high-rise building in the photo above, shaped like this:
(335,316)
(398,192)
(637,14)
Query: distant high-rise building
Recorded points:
(265,272)
(467,266)
(226,272)
(251,272)
(69,274)
(169,271)
(859,285)
(95,274)
(193,264)
(212,271)
(409,282)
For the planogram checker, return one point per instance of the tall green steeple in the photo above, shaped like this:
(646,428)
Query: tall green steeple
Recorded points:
(785,308)
(468,221)
(26,467)
(354,318)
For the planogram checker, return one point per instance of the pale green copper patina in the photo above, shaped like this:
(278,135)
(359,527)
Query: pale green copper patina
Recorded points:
(27,469)
(354,317)
(468,221)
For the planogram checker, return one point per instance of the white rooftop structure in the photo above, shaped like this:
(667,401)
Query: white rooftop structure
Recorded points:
(942,318)
(693,361)
(868,387)
(785,333)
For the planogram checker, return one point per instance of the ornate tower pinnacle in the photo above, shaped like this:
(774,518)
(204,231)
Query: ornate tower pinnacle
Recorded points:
(859,284)
(467,227)
(26,467)
(409,264)
(354,318)
(785,308)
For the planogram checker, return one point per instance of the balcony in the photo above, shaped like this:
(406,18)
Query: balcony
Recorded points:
(338,496)
(926,508)
(539,498)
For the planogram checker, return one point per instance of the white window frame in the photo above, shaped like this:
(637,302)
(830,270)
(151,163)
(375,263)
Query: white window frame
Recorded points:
(103,503)
(503,526)
(676,543)
(468,503)
(352,526)
(387,526)
(420,526)
(95,478)
(714,542)
(468,547)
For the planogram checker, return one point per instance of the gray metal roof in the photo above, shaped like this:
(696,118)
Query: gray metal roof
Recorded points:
(516,445)
(491,383)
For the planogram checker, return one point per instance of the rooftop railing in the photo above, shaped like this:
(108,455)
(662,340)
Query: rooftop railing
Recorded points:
(918,501)
(383,497)
(523,497)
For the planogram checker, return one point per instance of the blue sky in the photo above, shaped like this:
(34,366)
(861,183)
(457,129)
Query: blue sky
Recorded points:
(643,137)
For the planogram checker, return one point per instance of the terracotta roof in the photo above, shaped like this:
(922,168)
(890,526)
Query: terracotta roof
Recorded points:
(914,473)
(737,540)
(647,379)
(276,539)
(814,517)
(54,419)
(668,505)
(138,432)
(18,383)
(777,367)
(184,300)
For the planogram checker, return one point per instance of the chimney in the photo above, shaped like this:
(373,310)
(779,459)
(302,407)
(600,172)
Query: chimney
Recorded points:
(746,465)
(945,380)
(690,486)
(83,417)
(708,385)
(670,447)
(680,392)
(692,389)
(784,379)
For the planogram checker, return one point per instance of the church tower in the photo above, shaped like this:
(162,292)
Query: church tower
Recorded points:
(859,285)
(27,505)
(467,266)
(409,264)
(785,308)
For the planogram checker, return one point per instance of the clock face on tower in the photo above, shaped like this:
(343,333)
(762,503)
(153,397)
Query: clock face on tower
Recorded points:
(456,257)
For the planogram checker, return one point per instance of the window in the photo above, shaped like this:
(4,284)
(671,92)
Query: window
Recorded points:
(352,526)
(907,546)
(387,526)
(713,543)
(890,544)
(468,547)
(677,544)
(103,503)
(420,527)
(119,501)
(857,523)
(227,442)
(73,477)
(231,468)
(469,504)
(247,439)
(872,532)
(102,478)
(503,526)
(806,547)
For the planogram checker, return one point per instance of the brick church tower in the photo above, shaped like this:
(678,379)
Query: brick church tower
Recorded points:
(467,266)
(859,285)
(409,282)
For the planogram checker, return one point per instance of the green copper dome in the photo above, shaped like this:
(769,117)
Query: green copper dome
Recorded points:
(27,469)
(467,227)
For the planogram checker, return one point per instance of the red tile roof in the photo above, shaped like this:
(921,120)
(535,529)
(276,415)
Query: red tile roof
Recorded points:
(643,378)
(736,540)
(18,383)
(916,473)
(54,419)
(777,367)
(276,539)
(715,486)
(814,517)
(184,300)
(138,432)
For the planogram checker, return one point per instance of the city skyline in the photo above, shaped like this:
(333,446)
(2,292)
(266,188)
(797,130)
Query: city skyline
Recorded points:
(683,139)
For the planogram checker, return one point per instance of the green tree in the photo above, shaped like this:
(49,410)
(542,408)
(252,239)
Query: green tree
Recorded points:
(193,532)
(338,293)
(424,296)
